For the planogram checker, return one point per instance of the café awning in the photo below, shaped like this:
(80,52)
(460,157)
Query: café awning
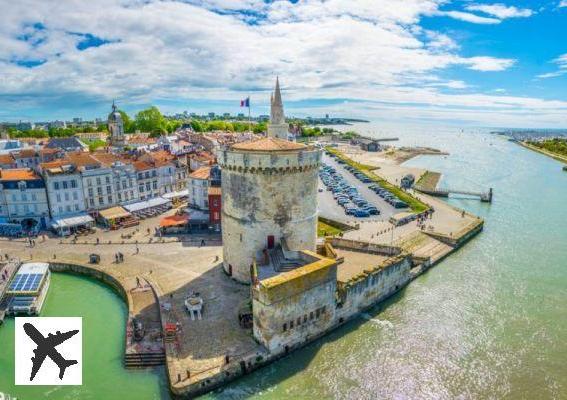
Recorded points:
(114,213)
(69,222)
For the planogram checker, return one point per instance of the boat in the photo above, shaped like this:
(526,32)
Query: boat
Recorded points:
(4,396)
(28,289)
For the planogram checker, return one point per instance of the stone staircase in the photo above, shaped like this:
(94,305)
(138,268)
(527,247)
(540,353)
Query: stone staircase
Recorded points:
(143,360)
(280,263)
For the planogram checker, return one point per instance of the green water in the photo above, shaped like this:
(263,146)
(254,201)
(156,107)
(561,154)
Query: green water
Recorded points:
(489,322)
(104,315)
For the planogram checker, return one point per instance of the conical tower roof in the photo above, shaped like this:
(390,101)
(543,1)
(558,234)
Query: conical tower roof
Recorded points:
(277,111)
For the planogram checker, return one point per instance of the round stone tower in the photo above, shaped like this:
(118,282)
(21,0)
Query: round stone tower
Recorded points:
(269,196)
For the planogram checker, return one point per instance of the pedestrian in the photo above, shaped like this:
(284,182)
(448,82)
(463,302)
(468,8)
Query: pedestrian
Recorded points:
(137,250)
(203,242)
(116,257)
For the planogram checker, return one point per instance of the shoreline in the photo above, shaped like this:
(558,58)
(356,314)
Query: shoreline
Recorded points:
(557,157)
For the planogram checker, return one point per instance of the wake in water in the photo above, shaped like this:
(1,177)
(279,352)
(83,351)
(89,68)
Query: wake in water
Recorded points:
(382,322)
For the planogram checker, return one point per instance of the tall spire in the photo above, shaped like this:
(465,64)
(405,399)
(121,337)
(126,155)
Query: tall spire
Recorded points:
(277,128)
(277,112)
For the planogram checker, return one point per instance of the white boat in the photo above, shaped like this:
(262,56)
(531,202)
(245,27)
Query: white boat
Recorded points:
(4,396)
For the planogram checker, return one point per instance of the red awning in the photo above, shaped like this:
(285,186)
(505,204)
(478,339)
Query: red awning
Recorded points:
(174,220)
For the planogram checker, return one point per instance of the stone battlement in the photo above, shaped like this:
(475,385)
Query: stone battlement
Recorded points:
(273,162)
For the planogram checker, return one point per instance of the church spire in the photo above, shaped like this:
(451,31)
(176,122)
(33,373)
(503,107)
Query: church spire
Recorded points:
(277,127)
(277,112)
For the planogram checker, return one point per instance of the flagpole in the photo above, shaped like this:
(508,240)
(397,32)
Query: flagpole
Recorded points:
(249,120)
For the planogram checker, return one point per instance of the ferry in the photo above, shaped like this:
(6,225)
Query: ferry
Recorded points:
(28,289)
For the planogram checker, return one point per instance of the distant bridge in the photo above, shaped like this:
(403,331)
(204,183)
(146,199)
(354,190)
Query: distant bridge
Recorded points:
(483,196)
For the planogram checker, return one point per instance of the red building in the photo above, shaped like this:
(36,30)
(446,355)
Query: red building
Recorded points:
(215,207)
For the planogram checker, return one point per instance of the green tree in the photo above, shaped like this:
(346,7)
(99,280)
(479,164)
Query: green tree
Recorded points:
(129,125)
(151,120)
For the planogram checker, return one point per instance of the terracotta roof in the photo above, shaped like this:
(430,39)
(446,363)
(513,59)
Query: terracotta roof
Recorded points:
(6,159)
(269,144)
(142,165)
(201,173)
(54,164)
(81,159)
(106,158)
(18,174)
(24,153)
(135,139)
(46,150)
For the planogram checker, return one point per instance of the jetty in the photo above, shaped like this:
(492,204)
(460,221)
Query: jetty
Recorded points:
(7,271)
(445,192)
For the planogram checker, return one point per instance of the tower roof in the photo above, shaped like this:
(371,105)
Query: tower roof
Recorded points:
(115,115)
(277,111)
(269,144)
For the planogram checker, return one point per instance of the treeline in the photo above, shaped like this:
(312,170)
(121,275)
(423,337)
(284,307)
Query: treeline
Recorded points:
(199,125)
(150,120)
(557,146)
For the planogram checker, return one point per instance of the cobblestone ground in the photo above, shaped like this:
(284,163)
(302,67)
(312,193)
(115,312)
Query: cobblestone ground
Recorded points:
(175,267)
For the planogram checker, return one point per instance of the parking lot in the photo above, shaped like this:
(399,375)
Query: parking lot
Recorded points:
(329,208)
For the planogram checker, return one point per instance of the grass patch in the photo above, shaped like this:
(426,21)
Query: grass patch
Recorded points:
(415,205)
(428,180)
(324,229)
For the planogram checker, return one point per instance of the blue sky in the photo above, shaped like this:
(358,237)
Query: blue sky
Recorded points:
(479,63)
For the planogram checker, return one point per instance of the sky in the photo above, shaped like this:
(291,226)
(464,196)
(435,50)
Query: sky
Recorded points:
(466,62)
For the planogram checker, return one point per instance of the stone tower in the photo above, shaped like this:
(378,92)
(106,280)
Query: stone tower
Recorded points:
(277,127)
(116,128)
(269,196)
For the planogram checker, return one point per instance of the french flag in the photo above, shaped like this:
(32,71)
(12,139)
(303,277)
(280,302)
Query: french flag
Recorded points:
(245,102)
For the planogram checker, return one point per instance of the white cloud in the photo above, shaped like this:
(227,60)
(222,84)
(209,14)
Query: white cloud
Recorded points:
(489,63)
(468,17)
(561,62)
(563,3)
(501,11)
(166,50)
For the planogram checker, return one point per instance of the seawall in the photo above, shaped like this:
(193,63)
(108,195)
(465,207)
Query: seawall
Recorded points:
(233,371)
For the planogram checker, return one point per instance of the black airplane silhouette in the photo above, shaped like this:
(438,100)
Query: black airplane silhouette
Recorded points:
(46,348)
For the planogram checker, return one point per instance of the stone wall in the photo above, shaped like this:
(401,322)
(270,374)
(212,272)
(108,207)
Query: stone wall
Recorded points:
(295,306)
(377,285)
(365,247)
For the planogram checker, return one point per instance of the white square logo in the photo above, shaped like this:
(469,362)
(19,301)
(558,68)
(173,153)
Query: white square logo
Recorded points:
(49,351)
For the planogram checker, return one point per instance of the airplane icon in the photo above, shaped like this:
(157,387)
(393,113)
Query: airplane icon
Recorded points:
(46,348)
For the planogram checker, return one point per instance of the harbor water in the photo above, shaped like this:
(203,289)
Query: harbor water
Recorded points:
(104,315)
(489,322)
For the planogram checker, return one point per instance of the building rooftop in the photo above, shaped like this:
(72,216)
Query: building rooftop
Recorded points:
(24,153)
(65,143)
(269,144)
(18,174)
(201,173)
